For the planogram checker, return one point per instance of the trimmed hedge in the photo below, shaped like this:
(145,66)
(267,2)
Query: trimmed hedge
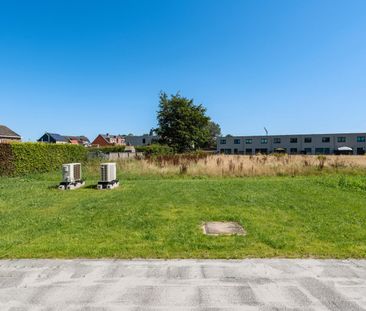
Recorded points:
(18,159)
(6,160)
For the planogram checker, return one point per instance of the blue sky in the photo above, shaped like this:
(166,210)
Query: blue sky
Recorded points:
(84,67)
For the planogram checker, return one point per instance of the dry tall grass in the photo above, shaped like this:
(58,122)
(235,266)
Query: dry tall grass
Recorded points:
(241,166)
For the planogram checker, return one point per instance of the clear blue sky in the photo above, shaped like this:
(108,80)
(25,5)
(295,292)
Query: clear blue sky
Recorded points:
(84,67)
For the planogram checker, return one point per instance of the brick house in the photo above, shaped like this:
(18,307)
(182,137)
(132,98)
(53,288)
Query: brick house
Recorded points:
(7,135)
(109,140)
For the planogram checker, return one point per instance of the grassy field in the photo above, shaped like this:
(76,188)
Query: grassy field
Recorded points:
(157,216)
(205,165)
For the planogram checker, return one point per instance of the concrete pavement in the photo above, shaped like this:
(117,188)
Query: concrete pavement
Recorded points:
(253,284)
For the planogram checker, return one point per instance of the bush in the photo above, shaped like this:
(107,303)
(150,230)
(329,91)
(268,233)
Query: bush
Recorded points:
(108,149)
(154,150)
(322,159)
(25,158)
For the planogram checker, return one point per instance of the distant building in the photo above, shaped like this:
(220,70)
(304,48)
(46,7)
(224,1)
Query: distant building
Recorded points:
(352,143)
(78,140)
(54,138)
(8,135)
(142,140)
(109,140)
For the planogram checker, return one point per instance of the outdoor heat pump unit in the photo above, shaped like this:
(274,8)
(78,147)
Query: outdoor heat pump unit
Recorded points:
(108,176)
(71,177)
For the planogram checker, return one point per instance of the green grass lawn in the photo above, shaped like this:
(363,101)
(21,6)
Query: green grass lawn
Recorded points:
(152,217)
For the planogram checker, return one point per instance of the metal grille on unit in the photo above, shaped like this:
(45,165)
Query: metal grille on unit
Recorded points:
(104,172)
(77,171)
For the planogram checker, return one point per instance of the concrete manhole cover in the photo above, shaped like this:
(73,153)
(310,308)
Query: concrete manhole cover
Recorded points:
(223,228)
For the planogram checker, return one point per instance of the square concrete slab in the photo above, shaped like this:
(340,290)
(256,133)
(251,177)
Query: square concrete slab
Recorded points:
(223,228)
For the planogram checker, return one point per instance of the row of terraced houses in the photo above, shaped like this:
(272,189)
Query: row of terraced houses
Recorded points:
(346,143)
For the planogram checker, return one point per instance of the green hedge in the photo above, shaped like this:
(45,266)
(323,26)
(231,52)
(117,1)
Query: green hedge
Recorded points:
(25,158)
(6,159)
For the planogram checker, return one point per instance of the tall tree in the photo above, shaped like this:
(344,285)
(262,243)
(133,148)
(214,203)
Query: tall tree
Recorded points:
(215,132)
(182,124)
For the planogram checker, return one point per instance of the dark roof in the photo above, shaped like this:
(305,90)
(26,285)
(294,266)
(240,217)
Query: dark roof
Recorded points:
(57,137)
(7,132)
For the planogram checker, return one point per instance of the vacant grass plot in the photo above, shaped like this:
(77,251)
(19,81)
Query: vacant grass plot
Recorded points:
(316,216)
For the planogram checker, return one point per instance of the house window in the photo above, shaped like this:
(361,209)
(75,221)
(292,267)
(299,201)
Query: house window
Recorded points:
(361,139)
(236,141)
(248,151)
(325,139)
(293,140)
(222,150)
(144,141)
(319,150)
(227,151)
(307,140)
(264,140)
(236,151)
(276,140)
(308,151)
(223,141)
(293,150)
(341,139)
(248,141)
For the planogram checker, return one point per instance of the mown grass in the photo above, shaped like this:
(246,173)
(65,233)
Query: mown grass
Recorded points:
(155,217)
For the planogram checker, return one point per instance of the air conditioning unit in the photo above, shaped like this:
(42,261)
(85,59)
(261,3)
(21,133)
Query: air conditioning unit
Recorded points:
(71,176)
(108,176)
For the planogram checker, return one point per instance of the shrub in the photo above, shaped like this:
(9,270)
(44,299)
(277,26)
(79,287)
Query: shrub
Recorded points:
(185,159)
(322,159)
(155,149)
(108,149)
(25,158)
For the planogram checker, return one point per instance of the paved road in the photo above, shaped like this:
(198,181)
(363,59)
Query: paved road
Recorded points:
(267,284)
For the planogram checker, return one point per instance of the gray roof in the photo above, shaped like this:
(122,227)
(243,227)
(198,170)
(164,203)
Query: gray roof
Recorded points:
(287,135)
(7,132)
